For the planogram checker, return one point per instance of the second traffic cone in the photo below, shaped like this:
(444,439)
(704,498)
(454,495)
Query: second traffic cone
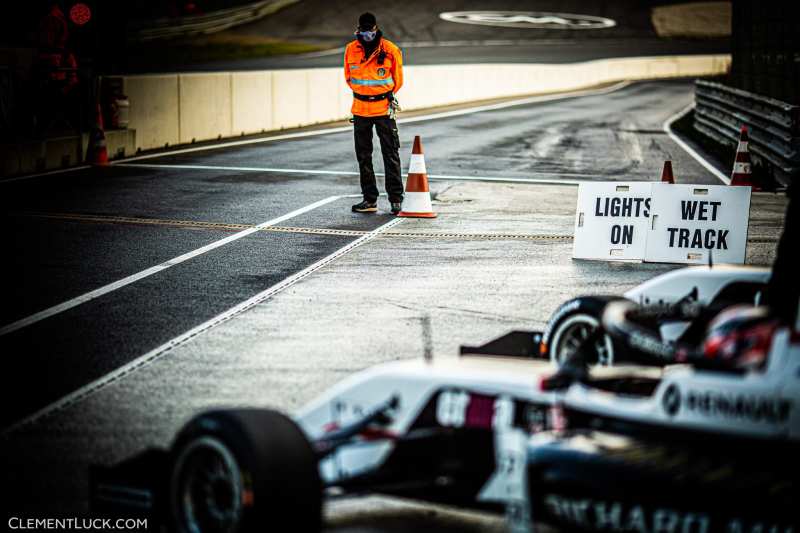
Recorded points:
(666,174)
(417,200)
(97,153)
(742,173)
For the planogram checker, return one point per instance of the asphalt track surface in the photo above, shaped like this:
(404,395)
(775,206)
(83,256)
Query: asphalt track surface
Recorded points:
(78,232)
(487,51)
(427,39)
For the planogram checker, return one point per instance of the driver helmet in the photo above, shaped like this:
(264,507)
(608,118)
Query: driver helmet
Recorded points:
(742,335)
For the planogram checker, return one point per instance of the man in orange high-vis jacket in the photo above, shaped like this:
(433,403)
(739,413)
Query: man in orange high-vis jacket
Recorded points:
(373,68)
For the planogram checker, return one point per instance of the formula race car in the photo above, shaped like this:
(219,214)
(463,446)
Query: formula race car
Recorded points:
(709,446)
(421,429)
(436,430)
(712,289)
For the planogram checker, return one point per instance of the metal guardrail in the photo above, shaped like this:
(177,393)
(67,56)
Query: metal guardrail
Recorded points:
(170,28)
(774,126)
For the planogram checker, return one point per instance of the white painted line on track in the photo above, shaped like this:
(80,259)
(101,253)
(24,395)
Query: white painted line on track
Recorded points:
(355,173)
(43,174)
(342,129)
(542,181)
(243,169)
(229,144)
(151,356)
(74,302)
(667,127)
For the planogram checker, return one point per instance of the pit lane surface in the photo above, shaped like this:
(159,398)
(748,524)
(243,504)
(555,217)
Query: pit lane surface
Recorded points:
(354,313)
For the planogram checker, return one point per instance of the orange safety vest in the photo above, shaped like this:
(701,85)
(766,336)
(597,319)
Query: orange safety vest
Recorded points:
(367,77)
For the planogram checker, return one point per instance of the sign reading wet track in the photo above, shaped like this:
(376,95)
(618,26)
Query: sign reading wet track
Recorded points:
(690,222)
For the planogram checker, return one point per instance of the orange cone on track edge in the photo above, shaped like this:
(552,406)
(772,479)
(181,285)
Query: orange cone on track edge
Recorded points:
(97,153)
(742,174)
(666,174)
(417,200)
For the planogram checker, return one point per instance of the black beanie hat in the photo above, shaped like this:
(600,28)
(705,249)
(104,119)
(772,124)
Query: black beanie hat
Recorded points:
(367,21)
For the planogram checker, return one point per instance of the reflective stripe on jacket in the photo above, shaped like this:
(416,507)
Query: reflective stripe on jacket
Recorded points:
(366,76)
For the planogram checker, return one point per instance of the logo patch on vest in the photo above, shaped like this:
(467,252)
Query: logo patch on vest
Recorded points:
(381,72)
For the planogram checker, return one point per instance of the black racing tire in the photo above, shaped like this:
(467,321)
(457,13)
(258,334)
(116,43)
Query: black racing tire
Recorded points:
(572,322)
(242,471)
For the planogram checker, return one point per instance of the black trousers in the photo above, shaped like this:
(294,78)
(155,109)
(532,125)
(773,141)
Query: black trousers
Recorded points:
(390,149)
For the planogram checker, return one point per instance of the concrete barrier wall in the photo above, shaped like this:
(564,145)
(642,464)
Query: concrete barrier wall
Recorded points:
(184,108)
(254,89)
(155,115)
(205,105)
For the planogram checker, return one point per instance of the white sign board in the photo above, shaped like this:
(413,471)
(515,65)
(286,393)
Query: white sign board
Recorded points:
(612,220)
(689,222)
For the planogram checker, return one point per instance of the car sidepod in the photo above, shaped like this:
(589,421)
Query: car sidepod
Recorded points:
(439,441)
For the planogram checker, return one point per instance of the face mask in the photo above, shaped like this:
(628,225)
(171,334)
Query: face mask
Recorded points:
(367,36)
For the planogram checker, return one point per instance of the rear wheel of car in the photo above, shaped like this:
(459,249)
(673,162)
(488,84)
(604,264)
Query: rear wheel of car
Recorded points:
(570,326)
(244,470)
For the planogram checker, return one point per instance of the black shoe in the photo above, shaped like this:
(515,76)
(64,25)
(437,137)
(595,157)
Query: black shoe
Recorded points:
(396,207)
(366,207)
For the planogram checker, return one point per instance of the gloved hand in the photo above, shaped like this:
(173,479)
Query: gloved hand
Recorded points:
(394,107)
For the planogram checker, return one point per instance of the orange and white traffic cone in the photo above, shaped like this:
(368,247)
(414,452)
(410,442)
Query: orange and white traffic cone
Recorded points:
(97,153)
(417,200)
(666,174)
(742,173)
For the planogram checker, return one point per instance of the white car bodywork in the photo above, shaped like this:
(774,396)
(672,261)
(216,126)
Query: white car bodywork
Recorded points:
(415,383)
(709,281)
(756,404)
